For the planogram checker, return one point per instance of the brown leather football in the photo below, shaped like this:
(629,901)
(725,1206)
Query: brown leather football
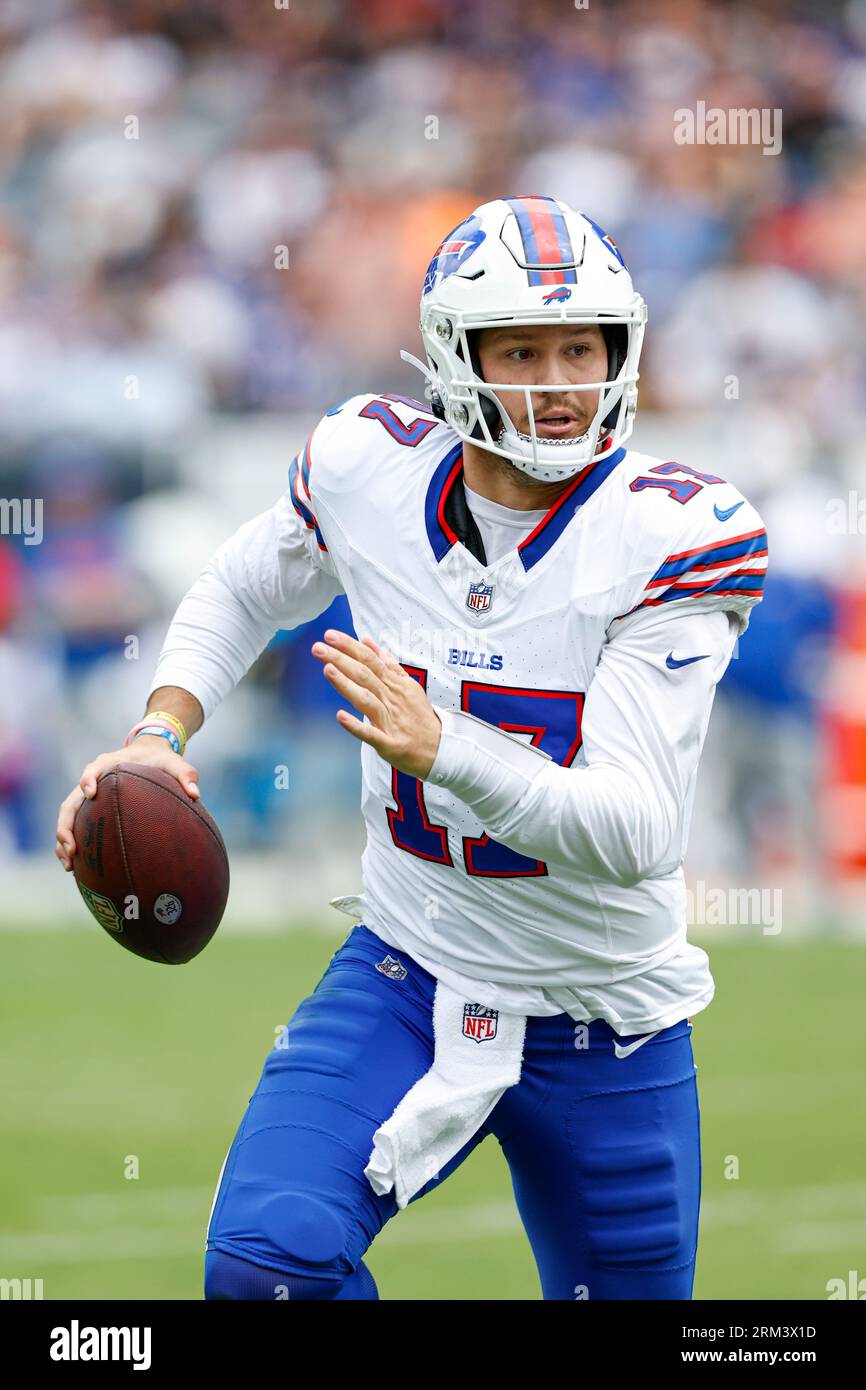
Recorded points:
(150,864)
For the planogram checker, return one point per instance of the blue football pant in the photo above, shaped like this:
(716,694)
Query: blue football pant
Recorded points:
(604,1152)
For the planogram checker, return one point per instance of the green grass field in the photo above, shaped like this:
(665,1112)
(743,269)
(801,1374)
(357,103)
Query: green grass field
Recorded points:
(105,1056)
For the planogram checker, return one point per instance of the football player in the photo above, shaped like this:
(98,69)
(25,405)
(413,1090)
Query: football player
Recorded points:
(545,615)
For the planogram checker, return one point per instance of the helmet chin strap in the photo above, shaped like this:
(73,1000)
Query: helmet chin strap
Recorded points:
(603,435)
(416,362)
(564,442)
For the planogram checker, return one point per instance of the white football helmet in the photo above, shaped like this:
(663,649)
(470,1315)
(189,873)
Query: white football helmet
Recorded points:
(529,260)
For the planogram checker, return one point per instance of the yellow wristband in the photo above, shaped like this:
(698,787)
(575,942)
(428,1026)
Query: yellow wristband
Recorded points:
(173,721)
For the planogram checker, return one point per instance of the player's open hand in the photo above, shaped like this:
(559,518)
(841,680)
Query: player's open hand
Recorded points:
(400,722)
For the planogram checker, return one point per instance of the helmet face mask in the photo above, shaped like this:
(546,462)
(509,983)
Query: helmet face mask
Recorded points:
(482,277)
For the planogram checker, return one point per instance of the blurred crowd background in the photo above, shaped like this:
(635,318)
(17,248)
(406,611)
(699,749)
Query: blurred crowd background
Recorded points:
(214,224)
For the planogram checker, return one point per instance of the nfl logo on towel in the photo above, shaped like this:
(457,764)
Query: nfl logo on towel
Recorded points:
(394,969)
(479,1023)
(479,597)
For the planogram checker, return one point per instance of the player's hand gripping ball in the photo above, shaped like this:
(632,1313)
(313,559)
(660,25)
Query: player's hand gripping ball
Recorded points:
(150,864)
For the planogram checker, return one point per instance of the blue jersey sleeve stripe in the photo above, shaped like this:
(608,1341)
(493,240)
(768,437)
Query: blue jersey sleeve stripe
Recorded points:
(707,574)
(303,511)
(739,582)
(713,555)
(730,540)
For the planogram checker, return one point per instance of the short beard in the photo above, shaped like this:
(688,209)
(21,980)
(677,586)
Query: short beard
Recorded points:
(506,469)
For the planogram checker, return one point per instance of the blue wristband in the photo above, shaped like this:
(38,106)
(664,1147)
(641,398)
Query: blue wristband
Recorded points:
(162,732)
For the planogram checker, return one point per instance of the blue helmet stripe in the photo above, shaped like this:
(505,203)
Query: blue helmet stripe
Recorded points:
(522,208)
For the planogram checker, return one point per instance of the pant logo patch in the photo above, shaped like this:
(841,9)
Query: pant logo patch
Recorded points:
(394,969)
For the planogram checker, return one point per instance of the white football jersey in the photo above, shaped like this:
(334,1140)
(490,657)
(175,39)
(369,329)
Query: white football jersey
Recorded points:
(539,867)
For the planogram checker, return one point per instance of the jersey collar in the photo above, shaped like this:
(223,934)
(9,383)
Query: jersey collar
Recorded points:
(448,475)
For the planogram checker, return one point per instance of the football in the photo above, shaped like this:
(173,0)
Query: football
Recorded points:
(150,864)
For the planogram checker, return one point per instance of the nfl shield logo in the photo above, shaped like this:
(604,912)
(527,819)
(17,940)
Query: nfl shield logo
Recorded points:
(479,1023)
(394,969)
(479,597)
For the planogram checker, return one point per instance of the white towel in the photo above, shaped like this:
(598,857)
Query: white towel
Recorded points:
(478,1054)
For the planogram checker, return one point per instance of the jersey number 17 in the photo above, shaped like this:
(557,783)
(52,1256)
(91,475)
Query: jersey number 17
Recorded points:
(551,718)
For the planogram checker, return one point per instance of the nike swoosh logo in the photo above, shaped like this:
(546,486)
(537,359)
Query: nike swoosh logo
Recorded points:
(632,1047)
(725,513)
(674,665)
